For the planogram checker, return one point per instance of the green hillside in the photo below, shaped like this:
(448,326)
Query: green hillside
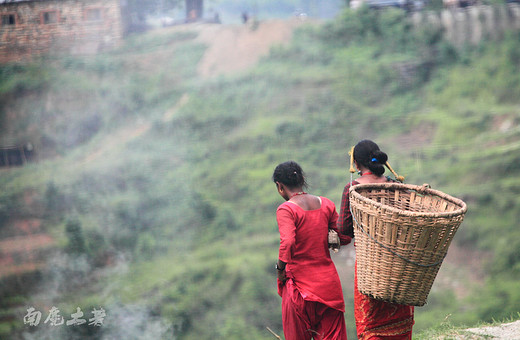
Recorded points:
(156,184)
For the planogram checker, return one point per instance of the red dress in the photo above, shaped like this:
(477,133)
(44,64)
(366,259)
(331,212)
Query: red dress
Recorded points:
(312,298)
(375,319)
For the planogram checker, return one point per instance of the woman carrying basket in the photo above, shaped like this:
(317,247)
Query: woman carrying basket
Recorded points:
(375,319)
(312,299)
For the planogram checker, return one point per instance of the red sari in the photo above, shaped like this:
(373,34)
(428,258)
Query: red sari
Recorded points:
(375,319)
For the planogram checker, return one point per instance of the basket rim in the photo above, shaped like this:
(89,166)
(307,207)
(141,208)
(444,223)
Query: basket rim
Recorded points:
(355,189)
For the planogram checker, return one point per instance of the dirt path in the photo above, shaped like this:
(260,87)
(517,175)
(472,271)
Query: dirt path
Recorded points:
(508,331)
(234,48)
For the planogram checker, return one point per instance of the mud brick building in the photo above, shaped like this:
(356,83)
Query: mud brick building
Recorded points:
(35,27)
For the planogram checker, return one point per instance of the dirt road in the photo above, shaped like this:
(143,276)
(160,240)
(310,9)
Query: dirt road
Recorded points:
(234,48)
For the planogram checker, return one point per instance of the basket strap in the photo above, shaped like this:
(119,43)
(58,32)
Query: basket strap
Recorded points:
(390,250)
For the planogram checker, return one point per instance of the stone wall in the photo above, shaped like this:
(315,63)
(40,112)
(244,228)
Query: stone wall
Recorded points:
(471,24)
(58,26)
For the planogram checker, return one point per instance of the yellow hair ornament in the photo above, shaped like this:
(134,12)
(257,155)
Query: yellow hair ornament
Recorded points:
(351,153)
(397,177)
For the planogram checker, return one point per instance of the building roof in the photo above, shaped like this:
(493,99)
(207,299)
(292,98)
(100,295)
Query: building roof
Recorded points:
(9,1)
(13,1)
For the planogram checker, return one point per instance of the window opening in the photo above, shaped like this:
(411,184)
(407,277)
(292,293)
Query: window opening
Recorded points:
(50,17)
(8,19)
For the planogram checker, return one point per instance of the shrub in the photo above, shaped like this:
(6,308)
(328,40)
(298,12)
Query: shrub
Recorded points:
(76,240)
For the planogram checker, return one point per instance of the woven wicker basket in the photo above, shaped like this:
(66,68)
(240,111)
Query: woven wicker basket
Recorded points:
(402,234)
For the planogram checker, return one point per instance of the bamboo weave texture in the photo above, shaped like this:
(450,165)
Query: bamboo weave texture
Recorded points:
(402,235)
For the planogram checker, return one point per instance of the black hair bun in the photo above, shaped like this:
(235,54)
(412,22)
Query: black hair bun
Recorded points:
(379,157)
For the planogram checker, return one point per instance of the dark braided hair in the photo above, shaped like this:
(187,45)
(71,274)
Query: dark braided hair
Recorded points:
(368,154)
(290,174)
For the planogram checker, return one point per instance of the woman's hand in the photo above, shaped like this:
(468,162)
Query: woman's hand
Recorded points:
(280,270)
(281,275)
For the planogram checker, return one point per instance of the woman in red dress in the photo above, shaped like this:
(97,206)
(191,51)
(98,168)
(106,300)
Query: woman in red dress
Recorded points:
(312,298)
(375,319)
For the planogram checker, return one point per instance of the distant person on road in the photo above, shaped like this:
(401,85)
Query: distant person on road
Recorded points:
(245,17)
(312,298)
(375,319)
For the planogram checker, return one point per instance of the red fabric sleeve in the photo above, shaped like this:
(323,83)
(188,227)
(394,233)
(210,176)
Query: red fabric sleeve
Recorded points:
(287,228)
(345,225)
(333,219)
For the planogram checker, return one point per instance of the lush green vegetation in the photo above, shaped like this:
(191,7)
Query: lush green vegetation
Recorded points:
(184,195)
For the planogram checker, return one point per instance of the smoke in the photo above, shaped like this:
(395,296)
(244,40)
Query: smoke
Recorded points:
(136,322)
(69,274)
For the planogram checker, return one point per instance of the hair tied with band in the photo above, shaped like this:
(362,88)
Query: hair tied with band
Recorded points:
(374,160)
